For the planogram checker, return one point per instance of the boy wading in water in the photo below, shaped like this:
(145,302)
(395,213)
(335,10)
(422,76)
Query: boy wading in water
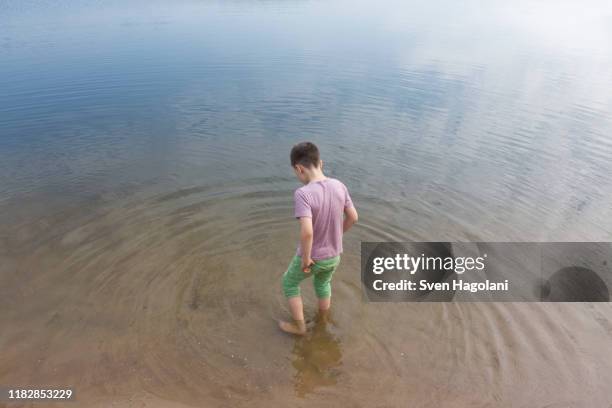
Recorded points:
(325,211)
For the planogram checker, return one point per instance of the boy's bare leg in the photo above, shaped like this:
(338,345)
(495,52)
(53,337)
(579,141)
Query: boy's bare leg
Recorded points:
(324,304)
(298,326)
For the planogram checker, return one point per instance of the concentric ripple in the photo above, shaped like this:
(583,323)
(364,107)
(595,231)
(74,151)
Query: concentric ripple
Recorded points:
(146,213)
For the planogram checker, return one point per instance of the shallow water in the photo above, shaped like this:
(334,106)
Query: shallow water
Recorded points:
(145,195)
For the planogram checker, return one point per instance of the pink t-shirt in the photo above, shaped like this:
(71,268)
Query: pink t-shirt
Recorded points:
(324,201)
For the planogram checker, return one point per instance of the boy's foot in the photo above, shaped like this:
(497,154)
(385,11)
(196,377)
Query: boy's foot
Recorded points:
(323,316)
(297,328)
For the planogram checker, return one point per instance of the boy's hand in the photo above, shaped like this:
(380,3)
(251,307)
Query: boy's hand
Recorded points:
(306,264)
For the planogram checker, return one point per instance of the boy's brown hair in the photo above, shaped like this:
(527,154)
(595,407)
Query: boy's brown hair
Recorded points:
(306,154)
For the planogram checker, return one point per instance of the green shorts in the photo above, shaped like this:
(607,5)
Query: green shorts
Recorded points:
(321,272)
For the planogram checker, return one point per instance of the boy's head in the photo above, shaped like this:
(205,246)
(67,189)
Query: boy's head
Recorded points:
(305,160)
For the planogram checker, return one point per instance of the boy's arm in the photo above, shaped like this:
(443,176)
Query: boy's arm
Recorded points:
(350,218)
(306,242)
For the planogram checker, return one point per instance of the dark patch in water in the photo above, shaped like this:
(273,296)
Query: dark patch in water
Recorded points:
(575,284)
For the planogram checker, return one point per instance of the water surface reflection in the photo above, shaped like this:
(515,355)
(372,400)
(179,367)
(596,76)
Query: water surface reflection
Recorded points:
(145,194)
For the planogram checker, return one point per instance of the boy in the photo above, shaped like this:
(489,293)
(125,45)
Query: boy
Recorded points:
(319,206)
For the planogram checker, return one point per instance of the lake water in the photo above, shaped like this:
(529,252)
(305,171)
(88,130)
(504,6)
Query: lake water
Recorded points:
(146,195)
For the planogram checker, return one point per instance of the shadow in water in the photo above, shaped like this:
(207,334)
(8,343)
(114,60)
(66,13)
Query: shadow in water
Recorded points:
(317,358)
(575,284)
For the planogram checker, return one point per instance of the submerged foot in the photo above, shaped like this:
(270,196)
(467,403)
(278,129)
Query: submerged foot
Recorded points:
(297,328)
(323,316)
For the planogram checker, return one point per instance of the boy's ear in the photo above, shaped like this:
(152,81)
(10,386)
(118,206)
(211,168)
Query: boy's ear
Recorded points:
(321,164)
